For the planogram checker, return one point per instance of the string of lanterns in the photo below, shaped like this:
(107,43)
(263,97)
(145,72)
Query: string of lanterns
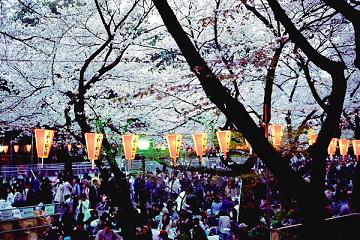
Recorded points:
(343,145)
(44,139)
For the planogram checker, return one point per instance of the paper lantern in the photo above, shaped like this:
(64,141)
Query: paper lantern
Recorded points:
(28,147)
(224,141)
(276,134)
(344,146)
(312,136)
(69,147)
(16,148)
(332,147)
(130,143)
(200,141)
(5,148)
(43,139)
(93,146)
(356,147)
(174,145)
(249,146)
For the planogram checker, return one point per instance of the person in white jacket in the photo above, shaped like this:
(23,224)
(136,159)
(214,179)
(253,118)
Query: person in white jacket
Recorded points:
(59,192)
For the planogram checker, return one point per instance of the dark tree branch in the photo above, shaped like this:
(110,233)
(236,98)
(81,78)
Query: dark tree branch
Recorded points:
(262,18)
(106,25)
(311,83)
(353,15)
(319,60)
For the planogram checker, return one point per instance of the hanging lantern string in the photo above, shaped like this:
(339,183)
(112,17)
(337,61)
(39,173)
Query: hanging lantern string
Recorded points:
(79,131)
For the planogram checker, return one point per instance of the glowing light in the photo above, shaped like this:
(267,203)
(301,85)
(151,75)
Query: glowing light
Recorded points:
(276,134)
(332,147)
(224,141)
(93,146)
(174,145)
(143,144)
(200,141)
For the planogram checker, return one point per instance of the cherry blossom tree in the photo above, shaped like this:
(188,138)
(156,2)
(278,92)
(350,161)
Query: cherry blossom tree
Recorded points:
(312,205)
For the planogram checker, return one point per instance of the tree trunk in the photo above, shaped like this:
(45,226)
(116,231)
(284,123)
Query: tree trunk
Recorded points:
(117,188)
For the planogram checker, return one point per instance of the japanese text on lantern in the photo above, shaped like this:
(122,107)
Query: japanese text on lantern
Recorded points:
(224,138)
(130,143)
(276,132)
(200,141)
(43,138)
(93,144)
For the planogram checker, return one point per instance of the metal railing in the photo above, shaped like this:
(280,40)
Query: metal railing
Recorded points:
(20,222)
(337,228)
(80,168)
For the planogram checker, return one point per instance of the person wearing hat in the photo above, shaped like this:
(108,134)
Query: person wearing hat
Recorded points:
(107,233)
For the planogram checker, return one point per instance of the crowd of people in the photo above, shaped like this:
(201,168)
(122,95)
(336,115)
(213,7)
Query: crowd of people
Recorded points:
(179,205)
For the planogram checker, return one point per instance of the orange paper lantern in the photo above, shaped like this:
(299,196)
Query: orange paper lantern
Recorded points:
(174,145)
(249,146)
(312,136)
(93,146)
(130,143)
(224,138)
(200,141)
(356,147)
(332,147)
(43,139)
(344,146)
(276,134)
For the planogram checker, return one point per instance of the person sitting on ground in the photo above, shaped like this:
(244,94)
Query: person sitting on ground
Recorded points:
(107,233)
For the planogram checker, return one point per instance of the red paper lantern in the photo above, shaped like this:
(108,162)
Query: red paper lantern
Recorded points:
(174,145)
(93,146)
(356,147)
(224,138)
(200,141)
(332,147)
(130,144)
(276,134)
(43,139)
(344,146)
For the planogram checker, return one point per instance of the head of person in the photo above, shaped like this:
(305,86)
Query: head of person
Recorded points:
(107,226)
(79,225)
(196,221)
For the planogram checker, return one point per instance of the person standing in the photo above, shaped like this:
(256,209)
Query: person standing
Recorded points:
(93,194)
(59,192)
